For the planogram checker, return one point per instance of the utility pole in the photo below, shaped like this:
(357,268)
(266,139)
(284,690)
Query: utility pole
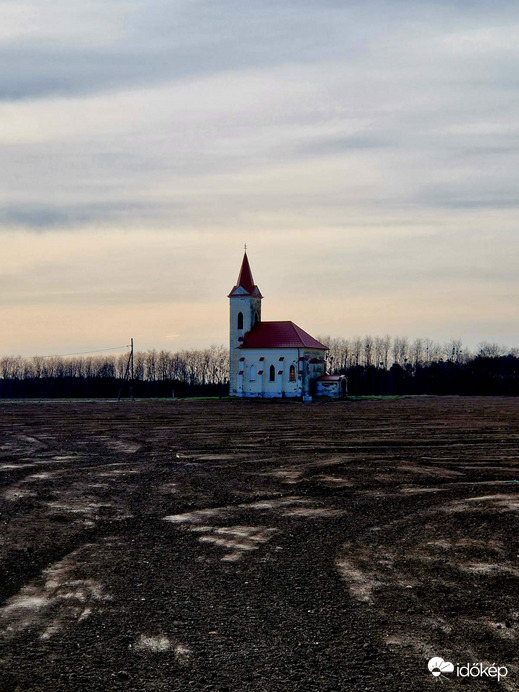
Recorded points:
(128,372)
(131,366)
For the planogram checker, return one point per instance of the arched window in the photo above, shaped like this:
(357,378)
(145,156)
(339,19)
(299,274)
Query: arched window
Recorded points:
(254,319)
(292,374)
(240,320)
(252,373)
(272,371)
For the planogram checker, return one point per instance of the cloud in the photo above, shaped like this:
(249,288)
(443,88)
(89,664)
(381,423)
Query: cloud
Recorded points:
(362,149)
(41,217)
(73,48)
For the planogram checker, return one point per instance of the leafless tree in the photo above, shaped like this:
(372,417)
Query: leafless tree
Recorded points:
(339,352)
(150,365)
(417,352)
(139,362)
(491,350)
(356,351)
(453,351)
(400,350)
(368,347)
(386,350)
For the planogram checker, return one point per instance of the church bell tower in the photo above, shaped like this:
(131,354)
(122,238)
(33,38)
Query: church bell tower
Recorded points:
(245,312)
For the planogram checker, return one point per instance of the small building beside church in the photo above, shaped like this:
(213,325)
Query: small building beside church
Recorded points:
(276,358)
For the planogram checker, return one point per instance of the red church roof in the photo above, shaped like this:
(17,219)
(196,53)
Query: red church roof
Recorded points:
(245,279)
(279,335)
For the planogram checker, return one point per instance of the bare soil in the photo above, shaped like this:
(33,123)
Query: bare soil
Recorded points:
(257,545)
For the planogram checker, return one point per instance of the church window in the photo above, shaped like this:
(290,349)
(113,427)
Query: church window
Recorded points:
(272,376)
(252,373)
(292,374)
(240,320)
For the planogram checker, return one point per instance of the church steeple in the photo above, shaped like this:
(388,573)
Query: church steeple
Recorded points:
(245,279)
(245,313)
(245,285)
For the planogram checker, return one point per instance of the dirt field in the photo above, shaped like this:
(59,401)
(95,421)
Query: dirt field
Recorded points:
(241,546)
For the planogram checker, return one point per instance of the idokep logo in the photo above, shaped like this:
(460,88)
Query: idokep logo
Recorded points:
(438,667)
(479,670)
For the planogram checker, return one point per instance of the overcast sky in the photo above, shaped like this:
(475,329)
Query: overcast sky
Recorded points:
(366,152)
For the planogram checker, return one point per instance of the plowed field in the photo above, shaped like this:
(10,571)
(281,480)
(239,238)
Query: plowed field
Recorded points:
(258,545)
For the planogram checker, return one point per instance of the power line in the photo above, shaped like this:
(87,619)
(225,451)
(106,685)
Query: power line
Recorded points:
(83,353)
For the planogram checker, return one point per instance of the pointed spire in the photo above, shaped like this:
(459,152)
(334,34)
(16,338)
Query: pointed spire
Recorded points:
(245,280)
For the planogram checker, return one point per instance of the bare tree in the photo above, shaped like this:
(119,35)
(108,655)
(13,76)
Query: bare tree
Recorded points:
(386,350)
(150,365)
(164,366)
(417,352)
(338,352)
(453,351)
(219,364)
(356,350)
(139,361)
(400,350)
(368,350)
(491,350)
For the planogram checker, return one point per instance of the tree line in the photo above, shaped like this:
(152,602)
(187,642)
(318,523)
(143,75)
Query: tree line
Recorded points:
(395,365)
(374,366)
(194,372)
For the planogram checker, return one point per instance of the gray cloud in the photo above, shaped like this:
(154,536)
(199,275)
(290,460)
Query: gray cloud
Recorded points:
(41,217)
(33,216)
(119,44)
(167,41)
(374,144)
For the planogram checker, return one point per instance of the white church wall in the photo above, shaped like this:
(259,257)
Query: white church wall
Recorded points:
(255,364)
(261,384)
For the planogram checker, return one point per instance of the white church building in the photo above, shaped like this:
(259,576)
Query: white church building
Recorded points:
(273,359)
